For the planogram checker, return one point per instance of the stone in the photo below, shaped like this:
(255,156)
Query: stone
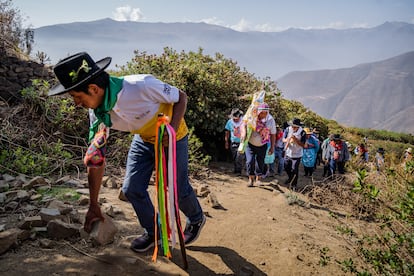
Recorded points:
(62,180)
(83,200)
(49,214)
(8,238)
(4,187)
(212,199)
(61,206)
(35,182)
(83,191)
(57,229)
(103,232)
(46,243)
(30,222)
(22,196)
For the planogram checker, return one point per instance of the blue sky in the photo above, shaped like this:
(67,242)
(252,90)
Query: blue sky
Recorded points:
(241,15)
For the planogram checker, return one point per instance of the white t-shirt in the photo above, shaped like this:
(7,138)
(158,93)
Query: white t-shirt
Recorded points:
(139,102)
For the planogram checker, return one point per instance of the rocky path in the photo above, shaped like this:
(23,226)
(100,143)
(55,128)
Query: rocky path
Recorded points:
(266,230)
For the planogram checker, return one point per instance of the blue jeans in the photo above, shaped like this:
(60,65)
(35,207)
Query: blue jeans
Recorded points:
(280,161)
(139,168)
(333,165)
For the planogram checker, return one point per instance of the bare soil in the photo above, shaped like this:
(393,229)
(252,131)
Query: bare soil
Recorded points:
(266,230)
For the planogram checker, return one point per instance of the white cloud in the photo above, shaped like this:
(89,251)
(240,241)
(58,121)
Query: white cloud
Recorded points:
(213,21)
(127,13)
(245,26)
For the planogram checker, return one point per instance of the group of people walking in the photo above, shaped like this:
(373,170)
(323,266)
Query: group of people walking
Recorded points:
(290,145)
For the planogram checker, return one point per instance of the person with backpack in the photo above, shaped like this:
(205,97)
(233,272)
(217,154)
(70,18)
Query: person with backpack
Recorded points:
(310,150)
(294,140)
(337,155)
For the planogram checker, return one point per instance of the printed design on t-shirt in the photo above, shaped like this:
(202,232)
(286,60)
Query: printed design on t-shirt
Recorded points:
(167,89)
(236,131)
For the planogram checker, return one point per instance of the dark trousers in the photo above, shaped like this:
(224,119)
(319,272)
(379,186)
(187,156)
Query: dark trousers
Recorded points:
(292,169)
(308,170)
(255,156)
(237,157)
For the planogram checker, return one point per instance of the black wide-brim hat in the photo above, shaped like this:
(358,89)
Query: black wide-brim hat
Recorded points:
(75,71)
(295,122)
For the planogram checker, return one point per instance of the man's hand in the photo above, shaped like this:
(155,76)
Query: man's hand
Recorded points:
(94,214)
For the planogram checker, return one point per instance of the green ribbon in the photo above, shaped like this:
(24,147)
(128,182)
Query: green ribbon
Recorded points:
(102,111)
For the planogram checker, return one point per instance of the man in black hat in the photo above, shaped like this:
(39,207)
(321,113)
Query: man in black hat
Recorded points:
(130,103)
(294,141)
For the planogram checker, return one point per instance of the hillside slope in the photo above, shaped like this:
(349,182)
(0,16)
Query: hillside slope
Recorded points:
(377,95)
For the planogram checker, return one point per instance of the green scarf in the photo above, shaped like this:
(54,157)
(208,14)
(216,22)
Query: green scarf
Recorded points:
(102,111)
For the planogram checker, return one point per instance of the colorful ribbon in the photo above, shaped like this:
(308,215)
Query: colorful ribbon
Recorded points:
(166,202)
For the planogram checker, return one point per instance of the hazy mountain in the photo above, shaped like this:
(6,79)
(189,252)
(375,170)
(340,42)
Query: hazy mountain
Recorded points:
(264,54)
(377,95)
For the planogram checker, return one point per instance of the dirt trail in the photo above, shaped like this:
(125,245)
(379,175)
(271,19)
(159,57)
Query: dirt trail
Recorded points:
(255,232)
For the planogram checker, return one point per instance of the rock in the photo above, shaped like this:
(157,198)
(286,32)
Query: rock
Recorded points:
(35,182)
(83,200)
(4,186)
(57,229)
(83,191)
(49,214)
(61,206)
(3,198)
(23,235)
(30,222)
(212,199)
(202,191)
(8,177)
(46,243)
(22,196)
(35,197)
(62,180)
(8,238)
(111,183)
(103,232)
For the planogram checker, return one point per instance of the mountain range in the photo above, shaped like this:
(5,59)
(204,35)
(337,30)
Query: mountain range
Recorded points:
(377,95)
(266,54)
